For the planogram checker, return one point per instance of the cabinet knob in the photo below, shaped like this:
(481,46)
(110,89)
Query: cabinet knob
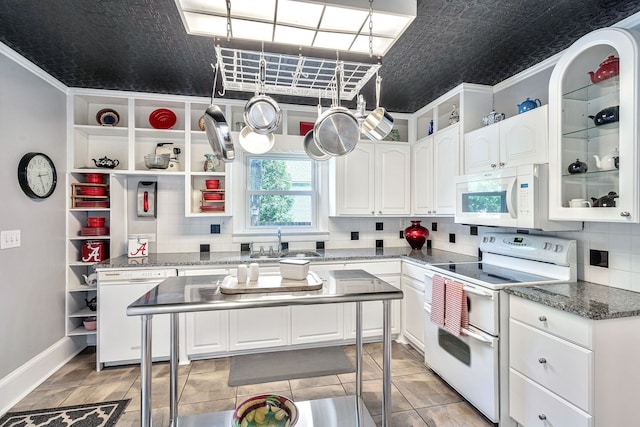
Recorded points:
(625,213)
(502,164)
(542,318)
(373,212)
(493,165)
(379,212)
(542,360)
(542,417)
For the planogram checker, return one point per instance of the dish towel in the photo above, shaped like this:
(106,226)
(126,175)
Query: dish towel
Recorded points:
(437,300)
(457,312)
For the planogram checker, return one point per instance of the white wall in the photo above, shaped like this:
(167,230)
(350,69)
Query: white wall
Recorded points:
(32,277)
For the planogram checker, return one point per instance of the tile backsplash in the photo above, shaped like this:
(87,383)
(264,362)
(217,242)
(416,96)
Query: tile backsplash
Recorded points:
(177,233)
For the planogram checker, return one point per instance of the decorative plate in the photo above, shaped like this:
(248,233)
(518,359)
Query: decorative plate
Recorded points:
(108,117)
(266,410)
(162,118)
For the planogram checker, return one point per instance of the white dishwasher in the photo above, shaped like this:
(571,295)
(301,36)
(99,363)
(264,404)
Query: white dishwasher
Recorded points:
(118,334)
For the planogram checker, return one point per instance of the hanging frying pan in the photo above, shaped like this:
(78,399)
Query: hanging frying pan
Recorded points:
(336,132)
(262,113)
(310,146)
(378,124)
(217,129)
(254,142)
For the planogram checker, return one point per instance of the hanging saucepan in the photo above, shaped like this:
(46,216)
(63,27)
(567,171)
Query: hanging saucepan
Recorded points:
(336,132)
(217,129)
(310,146)
(254,142)
(378,123)
(262,113)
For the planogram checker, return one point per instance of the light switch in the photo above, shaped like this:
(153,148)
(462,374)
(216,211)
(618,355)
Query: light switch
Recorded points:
(9,239)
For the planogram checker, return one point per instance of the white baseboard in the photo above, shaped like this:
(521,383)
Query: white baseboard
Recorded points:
(15,386)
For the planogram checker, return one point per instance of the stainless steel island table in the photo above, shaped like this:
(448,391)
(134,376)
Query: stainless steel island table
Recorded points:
(202,293)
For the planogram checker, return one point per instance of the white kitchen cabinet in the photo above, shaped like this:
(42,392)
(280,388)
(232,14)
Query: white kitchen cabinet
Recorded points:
(566,370)
(317,323)
(374,179)
(413,304)
(422,177)
(573,100)
(445,169)
(518,140)
(258,328)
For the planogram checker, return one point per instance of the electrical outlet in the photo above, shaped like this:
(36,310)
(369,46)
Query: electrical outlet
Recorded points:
(9,239)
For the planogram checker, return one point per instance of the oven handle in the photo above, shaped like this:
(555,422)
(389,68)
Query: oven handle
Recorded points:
(475,336)
(475,291)
(511,193)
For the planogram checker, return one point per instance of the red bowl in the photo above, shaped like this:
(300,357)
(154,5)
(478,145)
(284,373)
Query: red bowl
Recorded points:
(93,191)
(212,184)
(162,118)
(94,178)
(212,196)
(95,221)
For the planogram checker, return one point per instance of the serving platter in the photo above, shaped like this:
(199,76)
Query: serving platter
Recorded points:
(270,283)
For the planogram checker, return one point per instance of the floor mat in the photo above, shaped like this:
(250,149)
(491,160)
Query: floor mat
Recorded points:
(103,414)
(286,365)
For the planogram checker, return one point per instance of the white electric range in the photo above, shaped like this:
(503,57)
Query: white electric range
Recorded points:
(475,363)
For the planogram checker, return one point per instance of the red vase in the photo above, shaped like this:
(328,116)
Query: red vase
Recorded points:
(416,235)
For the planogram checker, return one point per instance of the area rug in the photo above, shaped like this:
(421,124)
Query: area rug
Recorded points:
(285,365)
(102,414)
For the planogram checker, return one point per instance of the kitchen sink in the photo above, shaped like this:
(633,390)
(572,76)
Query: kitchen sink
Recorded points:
(287,254)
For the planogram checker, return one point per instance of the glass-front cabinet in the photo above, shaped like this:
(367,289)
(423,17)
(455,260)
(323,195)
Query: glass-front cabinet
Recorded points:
(593,129)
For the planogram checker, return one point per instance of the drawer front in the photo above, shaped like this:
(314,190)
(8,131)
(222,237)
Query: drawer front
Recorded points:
(533,406)
(413,271)
(560,366)
(565,325)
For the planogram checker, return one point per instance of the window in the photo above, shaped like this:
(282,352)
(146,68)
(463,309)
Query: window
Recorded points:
(281,191)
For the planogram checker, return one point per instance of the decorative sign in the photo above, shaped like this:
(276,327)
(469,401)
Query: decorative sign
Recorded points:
(138,247)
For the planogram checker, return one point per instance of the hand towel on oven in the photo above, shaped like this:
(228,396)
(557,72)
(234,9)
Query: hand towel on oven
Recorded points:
(437,300)
(456,310)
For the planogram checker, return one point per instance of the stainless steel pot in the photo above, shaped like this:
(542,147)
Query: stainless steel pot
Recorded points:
(310,146)
(378,123)
(336,132)
(262,113)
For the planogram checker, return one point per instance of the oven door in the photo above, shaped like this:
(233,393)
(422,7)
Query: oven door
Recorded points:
(469,364)
(488,198)
(482,302)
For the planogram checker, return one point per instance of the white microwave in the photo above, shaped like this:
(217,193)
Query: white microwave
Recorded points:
(509,197)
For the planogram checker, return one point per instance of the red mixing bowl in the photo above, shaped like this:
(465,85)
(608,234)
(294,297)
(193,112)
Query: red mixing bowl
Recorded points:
(212,196)
(94,178)
(95,221)
(93,191)
(212,184)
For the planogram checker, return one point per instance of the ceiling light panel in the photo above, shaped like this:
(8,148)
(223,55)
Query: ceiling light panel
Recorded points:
(293,36)
(380,45)
(209,6)
(343,19)
(263,10)
(251,30)
(299,14)
(205,25)
(388,25)
(327,40)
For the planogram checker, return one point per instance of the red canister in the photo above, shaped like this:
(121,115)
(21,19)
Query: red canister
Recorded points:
(93,251)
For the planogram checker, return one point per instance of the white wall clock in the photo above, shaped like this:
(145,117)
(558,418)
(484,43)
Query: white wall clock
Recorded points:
(37,175)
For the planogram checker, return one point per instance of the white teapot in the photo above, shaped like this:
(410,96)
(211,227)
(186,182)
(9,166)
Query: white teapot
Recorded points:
(91,280)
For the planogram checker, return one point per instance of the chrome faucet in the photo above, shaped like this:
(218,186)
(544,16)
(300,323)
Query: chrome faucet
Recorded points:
(279,240)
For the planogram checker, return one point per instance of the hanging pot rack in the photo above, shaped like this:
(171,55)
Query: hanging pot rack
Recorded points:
(294,75)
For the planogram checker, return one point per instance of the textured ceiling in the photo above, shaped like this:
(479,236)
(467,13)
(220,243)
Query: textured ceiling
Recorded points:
(141,45)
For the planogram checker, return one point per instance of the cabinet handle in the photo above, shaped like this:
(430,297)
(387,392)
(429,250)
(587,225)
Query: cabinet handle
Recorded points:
(493,165)
(625,213)
(542,360)
(542,417)
(542,318)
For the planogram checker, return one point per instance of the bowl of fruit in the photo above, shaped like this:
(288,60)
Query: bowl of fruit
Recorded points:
(266,410)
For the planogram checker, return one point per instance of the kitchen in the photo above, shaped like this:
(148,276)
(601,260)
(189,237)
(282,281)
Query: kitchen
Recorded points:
(43,224)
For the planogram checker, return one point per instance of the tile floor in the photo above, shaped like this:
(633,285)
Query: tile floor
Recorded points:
(419,397)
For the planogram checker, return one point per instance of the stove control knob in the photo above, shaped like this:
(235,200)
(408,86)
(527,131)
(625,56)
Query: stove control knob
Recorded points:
(547,246)
(492,239)
(558,248)
(485,239)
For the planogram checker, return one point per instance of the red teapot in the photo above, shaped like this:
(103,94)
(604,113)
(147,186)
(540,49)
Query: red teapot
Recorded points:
(608,68)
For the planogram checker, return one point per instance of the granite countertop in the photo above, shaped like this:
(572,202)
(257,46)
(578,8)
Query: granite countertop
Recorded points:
(196,259)
(590,300)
